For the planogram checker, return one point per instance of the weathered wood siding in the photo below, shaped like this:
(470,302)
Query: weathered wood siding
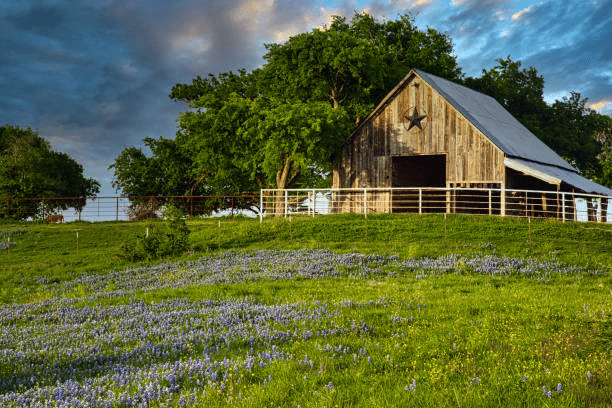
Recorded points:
(367,158)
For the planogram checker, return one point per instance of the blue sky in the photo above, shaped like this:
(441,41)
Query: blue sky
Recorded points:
(92,76)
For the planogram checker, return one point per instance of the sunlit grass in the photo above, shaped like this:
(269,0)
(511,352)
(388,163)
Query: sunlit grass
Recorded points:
(492,320)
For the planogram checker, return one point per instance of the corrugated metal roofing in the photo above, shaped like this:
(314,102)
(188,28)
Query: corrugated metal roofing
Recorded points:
(495,122)
(569,177)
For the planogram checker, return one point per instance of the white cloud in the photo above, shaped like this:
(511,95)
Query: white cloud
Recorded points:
(274,20)
(478,3)
(412,3)
(252,10)
(520,14)
(601,106)
(190,42)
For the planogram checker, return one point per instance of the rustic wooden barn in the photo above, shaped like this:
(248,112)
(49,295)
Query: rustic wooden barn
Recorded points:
(430,132)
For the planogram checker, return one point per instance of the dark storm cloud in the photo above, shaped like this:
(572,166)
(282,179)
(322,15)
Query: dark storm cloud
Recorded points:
(93,78)
(93,75)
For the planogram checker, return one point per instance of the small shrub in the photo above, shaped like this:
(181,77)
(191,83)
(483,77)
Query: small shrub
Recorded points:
(168,239)
(142,211)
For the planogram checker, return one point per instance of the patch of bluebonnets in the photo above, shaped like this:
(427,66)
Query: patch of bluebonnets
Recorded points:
(70,351)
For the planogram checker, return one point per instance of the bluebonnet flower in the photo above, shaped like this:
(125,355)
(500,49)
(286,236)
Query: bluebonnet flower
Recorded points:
(547,392)
(412,386)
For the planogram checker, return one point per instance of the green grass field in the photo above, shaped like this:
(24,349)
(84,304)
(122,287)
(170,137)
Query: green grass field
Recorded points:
(392,310)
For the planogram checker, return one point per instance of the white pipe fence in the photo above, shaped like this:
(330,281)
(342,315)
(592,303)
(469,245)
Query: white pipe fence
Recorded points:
(565,206)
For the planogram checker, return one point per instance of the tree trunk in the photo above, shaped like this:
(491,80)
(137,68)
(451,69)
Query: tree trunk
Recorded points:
(281,183)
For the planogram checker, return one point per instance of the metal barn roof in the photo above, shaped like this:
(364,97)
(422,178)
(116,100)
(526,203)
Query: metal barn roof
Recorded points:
(524,151)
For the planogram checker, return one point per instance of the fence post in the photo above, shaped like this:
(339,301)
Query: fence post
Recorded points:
(43,208)
(420,201)
(448,199)
(598,210)
(502,201)
(314,202)
(117,209)
(365,202)
(563,206)
(490,203)
(261,204)
(286,201)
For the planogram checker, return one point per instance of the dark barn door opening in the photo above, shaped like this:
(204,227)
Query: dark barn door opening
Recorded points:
(419,171)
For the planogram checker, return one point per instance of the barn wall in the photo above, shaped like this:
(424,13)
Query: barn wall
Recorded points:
(470,156)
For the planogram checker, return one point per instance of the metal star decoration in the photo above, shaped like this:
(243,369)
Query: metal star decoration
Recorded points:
(415,119)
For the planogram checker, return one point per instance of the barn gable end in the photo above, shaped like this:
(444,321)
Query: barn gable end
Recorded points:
(385,139)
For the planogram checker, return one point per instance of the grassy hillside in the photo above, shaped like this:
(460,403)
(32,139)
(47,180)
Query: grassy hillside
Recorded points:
(57,251)
(333,311)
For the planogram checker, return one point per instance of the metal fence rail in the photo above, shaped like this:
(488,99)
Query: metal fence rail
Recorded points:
(565,206)
(121,208)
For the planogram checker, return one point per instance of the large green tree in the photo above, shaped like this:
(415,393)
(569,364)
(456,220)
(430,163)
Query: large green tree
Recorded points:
(249,144)
(572,131)
(282,125)
(29,168)
(161,173)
